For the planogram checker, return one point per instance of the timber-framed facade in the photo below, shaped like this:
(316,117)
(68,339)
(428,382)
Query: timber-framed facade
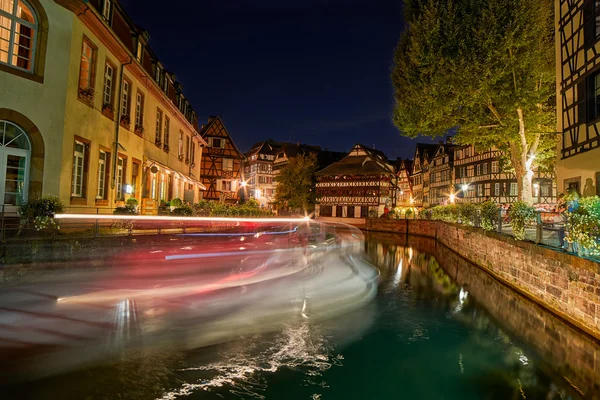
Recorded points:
(221,171)
(578,95)
(360,185)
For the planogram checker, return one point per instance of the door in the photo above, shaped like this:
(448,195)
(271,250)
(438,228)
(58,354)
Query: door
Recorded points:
(14,175)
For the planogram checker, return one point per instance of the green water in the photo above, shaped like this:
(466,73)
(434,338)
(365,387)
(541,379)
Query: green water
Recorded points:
(427,335)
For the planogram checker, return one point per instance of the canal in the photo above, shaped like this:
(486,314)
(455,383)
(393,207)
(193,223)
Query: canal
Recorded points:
(439,328)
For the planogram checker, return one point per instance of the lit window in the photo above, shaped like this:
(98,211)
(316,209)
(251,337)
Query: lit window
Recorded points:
(77,175)
(228,164)
(496,189)
(86,69)
(18,29)
(495,167)
(139,51)
(180,144)
(108,85)
(513,188)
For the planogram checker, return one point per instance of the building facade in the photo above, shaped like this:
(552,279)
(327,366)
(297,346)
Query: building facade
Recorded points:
(420,174)
(577,95)
(481,176)
(360,185)
(441,175)
(404,195)
(222,164)
(97,118)
(258,172)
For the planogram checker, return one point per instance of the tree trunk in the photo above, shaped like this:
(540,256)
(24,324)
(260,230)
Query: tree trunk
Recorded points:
(524,184)
(522,156)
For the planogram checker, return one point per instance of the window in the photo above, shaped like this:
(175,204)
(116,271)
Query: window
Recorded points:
(180,145)
(495,167)
(484,169)
(496,189)
(513,189)
(87,69)
(126,98)
(157,74)
(106,9)
(193,154)
(121,164)
(103,162)
(187,149)
(157,133)
(470,171)
(216,142)
(166,134)
(479,190)
(108,86)
(139,50)
(77,189)
(135,173)
(477,170)
(139,111)
(226,186)
(18,30)
(228,164)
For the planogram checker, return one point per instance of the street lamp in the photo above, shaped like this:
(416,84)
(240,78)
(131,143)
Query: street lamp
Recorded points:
(452,197)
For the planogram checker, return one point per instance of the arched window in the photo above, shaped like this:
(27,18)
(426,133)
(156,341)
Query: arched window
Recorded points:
(18,29)
(15,154)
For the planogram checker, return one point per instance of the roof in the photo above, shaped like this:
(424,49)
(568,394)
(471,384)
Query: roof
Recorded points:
(425,148)
(406,165)
(268,146)
(361,160)
(212,121)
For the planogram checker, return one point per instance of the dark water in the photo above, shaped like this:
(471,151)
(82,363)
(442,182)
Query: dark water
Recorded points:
(439,328)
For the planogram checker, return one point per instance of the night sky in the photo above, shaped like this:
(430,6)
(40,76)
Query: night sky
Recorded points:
(313,71)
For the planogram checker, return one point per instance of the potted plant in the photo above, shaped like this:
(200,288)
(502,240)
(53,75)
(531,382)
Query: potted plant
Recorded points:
(40,213)
(107,110)
(125,121)
(139,130)
(86,94)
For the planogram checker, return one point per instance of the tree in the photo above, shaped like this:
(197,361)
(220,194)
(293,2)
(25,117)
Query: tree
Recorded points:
(484,68)
(295,183)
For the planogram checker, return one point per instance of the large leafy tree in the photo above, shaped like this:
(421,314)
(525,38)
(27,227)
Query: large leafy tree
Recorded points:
(484,68)
(295,183)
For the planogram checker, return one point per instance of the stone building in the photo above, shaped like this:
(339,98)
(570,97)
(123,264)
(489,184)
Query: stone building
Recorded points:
(577,99)
(95,117)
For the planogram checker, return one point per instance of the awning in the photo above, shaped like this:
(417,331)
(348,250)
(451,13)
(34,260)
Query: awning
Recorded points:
(166,169)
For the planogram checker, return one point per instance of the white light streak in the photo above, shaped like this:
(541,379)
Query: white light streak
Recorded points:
(170,218)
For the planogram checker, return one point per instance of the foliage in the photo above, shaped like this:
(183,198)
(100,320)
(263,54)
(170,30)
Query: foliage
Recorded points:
(250,208)
(467,213)
(176,202)
(449,213)
(41,212)
(521,214)
(295,184)
(488,211)
(483,68)
(372,213)
(130,207)
(583,223)
(401,212)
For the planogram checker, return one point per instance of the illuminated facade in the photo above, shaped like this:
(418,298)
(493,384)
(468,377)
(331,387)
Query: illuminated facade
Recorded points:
(404,194)
(420,174)
(102,119)
(441,178)
(258,171)
(577,95)
(222,164)
(360,185)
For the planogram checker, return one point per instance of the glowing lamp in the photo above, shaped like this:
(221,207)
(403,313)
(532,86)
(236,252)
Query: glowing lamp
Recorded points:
(128,189)
(452,198)
(243,183)
(465,187)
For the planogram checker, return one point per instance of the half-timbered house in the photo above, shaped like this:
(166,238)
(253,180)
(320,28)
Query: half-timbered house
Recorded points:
(404,193)
(420,174)
(360,185)
(441,179)
(578,100)
(258,171)
(222,163)
(481,175)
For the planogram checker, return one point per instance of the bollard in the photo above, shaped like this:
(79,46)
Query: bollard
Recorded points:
(538,227)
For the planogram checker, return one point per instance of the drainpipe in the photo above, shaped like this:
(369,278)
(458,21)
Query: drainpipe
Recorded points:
(113,183)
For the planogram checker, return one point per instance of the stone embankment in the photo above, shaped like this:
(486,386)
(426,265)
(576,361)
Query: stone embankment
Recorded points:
(563,283)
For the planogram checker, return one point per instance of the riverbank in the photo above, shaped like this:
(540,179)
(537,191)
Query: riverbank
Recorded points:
(563,283)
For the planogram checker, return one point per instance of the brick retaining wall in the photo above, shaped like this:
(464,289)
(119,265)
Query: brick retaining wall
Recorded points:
(566,284)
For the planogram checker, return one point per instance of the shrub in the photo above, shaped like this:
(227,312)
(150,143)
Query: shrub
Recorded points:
(467,213)
(521,214)
(184,209)
(408,212)
(489,215)
(41,212)
(176,203)
(583,223)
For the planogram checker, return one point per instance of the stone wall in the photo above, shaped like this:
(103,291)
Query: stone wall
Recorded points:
(566,284)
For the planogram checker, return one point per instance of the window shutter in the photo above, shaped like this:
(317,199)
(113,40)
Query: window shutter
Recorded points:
(581,103)
(589,26)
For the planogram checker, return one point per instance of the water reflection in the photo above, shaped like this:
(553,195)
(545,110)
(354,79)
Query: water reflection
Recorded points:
(545,356)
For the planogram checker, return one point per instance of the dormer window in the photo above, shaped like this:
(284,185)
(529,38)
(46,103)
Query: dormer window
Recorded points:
(106,10)
(158,72)
(139,51)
